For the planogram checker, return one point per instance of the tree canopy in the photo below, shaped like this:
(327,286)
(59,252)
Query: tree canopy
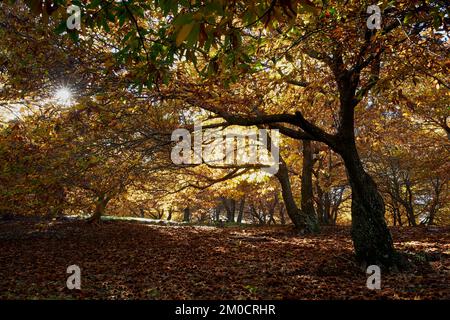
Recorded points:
(363,112)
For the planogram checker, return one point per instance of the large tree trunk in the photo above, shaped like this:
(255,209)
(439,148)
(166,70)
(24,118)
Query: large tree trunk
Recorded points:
(307,202)
(371,237)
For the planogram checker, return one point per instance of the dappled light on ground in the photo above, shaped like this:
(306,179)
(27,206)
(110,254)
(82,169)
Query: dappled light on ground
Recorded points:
(121,260)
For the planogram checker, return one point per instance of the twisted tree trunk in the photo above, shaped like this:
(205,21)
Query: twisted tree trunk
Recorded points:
(371,237)
(302,222)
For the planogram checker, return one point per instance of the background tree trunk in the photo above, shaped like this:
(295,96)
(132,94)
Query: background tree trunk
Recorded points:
(100,207)
(282,217)
(230,207)
(272,210)
(300,220)
(187,214)
(307,201)
(241,210)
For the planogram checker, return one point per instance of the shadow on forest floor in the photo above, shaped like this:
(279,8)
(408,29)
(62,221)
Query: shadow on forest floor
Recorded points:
(122,260)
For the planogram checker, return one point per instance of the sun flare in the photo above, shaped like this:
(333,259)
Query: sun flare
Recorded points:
(63,96)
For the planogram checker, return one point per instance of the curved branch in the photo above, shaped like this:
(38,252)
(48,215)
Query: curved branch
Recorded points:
(317,133)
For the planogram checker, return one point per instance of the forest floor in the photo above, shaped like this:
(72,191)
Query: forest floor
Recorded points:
(123,260)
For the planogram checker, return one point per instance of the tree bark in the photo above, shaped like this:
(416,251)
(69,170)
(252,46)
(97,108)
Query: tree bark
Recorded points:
(241,210)
(186,214)
(394,216)
(100,207)
(371,237)
(232,210)
(272,210)
(399,217)
(408,204)
(282,217)
(217,210)
(320,204)
(169,216)
(434,206)
(230,207)
(301,221)
(307,201)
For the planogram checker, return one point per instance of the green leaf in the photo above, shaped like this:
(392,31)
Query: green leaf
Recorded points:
(61,28)
(183,19)
(74,36)
(193,35)
(183,33)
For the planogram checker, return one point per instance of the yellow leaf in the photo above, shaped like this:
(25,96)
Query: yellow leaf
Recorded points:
(184,33)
